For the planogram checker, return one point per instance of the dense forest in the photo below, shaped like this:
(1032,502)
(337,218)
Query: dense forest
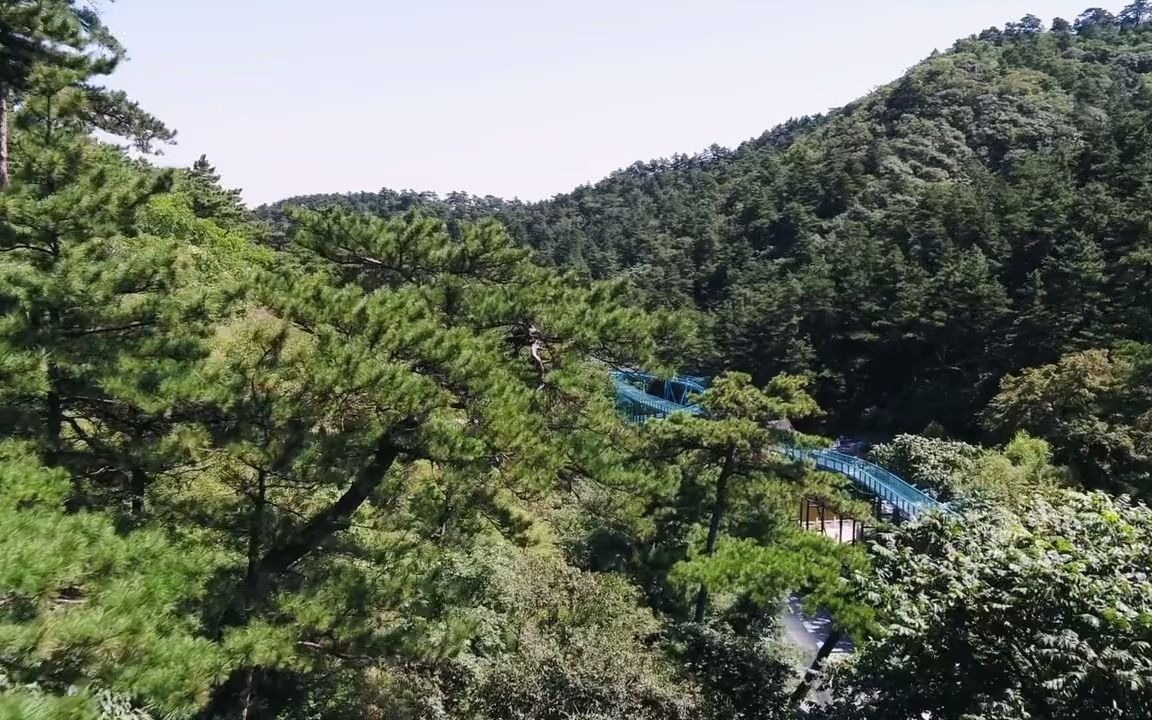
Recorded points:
(359,456)
(988,212)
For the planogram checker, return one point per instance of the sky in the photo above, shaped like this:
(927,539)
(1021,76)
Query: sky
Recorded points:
(514,98)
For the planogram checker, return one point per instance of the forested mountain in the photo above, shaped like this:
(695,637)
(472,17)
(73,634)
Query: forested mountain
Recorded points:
(989,211)
(368,462)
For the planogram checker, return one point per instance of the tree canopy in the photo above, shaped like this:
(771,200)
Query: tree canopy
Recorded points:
(985,213)
(1043,612)
(361,456)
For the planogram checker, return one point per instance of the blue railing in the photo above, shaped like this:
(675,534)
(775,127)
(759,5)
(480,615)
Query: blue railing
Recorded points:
(908,499)
(635,400)
(678,396)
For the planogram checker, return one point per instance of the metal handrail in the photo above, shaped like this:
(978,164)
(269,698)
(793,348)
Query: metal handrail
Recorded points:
(905,497)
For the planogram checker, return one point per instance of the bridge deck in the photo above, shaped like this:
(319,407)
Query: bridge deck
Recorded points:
(905,497)
(651,405)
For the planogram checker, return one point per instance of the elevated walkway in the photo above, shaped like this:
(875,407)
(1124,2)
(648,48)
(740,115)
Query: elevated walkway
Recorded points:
(642,397)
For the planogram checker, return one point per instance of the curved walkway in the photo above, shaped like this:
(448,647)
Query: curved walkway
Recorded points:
(807,632)
(637,403)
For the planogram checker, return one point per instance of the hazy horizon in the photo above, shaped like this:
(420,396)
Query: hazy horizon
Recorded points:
(508,98)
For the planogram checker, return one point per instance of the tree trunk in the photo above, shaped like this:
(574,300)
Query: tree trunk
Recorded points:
(813,671)
(4,172)
(255,532)
(53,415)
(53,399)
(718,508)
(138,489)
(336,516)
(250,686)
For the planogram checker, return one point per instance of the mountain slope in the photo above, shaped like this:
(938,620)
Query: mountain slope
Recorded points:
(990,210)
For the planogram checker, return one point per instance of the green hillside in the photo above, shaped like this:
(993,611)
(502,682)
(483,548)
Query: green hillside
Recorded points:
(989,211)
(381,460)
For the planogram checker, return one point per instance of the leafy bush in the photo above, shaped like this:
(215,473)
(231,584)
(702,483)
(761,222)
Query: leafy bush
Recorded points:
(1044,610)
(953,469)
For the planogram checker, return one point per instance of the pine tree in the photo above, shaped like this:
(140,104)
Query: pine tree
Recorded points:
(1067,302)
(32,33)
(738,493)
(1135,14)
(211,200)
(69,37)
(93,615)
(95,312)
(389,393)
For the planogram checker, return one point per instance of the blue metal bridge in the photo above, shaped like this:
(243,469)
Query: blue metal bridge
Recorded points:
(642,397)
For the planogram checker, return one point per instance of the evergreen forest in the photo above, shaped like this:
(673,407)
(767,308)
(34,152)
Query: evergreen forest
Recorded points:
(362,455)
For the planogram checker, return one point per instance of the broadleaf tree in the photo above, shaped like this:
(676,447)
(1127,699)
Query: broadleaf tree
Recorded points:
(1044,610)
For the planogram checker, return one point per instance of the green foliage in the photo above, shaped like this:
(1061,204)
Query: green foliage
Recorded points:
(741,673)
(930,463)
(957,470)
(550,642)
(985,213)
(368,405)
(64,44)
(727,532)
(1095,409)
(97,314)
(52,34)
(1041,612)
(208,199)
(85,605)
(369,464)
(764,572)
(389,395)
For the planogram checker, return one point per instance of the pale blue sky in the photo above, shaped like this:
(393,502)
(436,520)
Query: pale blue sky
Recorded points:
(517,98)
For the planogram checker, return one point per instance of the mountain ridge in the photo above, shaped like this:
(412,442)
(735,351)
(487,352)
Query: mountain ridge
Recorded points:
(983,213)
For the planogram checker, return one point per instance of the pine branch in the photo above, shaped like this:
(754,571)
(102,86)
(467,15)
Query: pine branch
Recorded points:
(23,246)
(328,650)
(109,329)
(336,516)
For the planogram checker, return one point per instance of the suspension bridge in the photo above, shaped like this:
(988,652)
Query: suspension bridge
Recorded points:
(642,396)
